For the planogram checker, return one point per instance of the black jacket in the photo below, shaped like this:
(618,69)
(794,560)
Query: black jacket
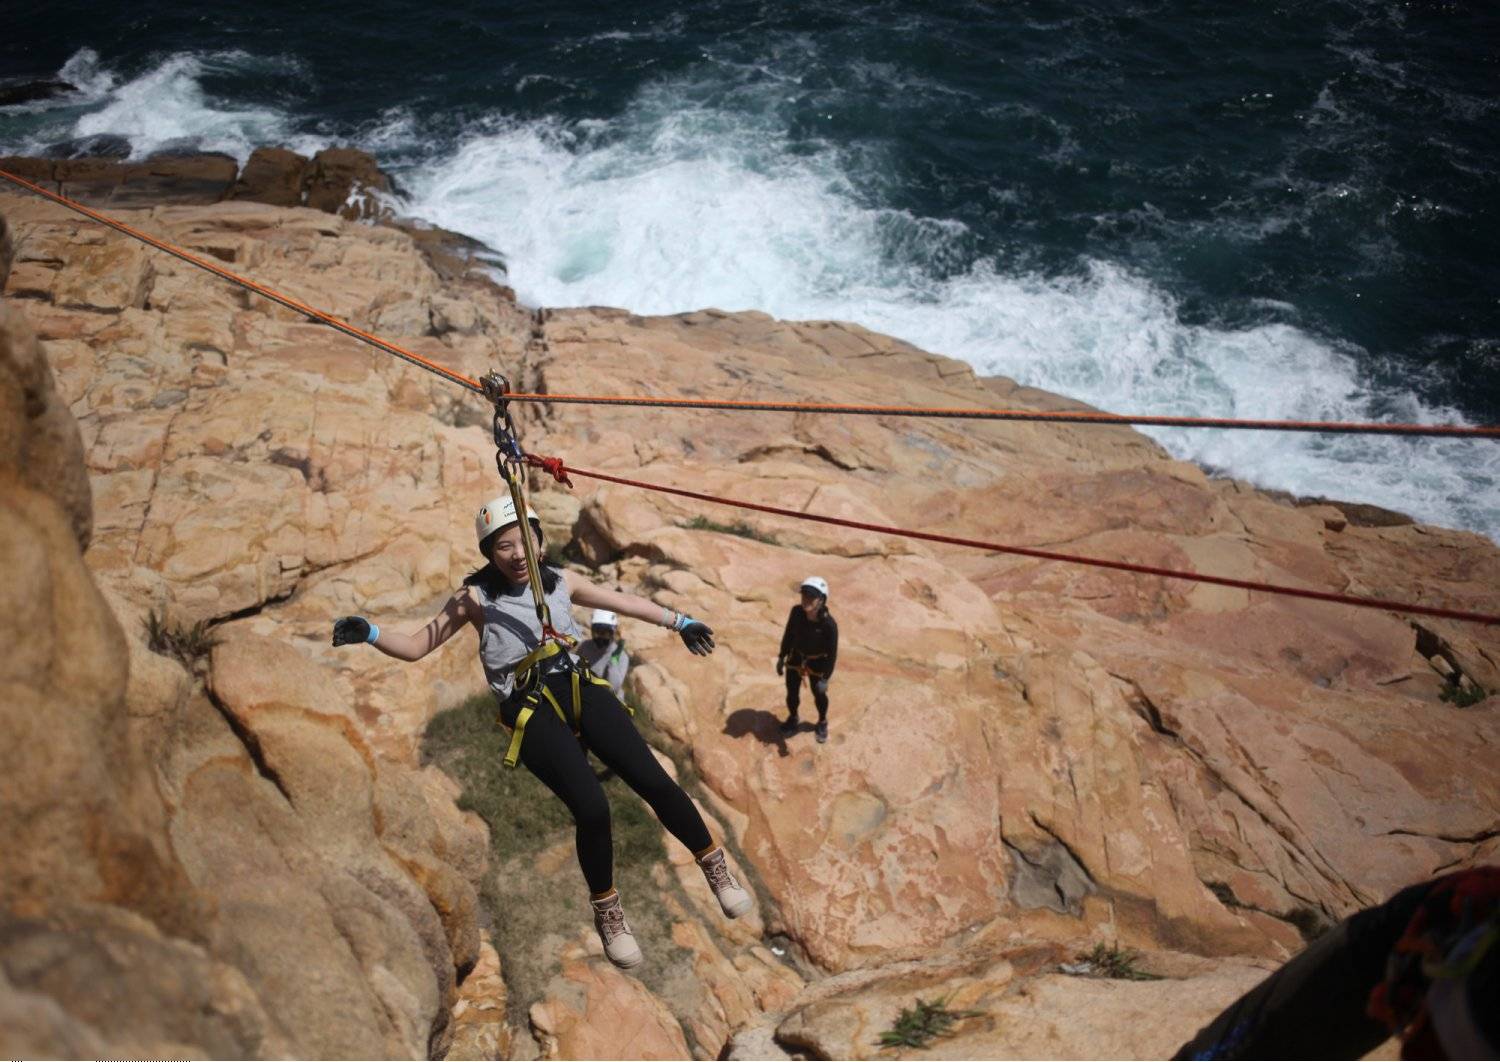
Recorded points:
(814,642)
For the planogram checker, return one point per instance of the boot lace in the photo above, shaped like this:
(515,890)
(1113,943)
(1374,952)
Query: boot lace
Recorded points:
(716,869)
(611,921)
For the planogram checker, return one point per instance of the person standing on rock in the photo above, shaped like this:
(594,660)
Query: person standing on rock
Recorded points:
(604,653)
(497,601)
(809,646)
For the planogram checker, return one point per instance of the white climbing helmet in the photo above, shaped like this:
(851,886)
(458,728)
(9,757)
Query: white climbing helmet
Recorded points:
(496,515)
(814,582)
(604,618)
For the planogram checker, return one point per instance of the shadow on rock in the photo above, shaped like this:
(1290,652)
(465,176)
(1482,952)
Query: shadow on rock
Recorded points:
(763,725)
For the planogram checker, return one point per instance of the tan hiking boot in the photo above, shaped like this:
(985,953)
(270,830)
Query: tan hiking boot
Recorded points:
(734,900)
(619,943)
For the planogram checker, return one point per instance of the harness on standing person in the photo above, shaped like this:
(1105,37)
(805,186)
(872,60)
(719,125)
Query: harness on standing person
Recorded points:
(803,666)
(553,654)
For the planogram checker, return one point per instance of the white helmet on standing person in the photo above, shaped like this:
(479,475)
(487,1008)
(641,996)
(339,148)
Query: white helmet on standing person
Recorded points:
(814,582)
(496,515)
(604,618)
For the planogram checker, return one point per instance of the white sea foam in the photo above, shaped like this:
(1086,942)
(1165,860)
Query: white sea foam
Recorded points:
(677,205)
(696,196)
(84,73)
(168,107)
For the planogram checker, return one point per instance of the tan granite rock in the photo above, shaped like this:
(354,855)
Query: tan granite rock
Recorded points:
(480,1030)
(593,1010)
(230,871)
(1015,707)
(1017,745)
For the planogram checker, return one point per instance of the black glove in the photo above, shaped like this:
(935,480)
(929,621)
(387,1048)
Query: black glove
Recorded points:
(698,637)
(780,665)
(351,629)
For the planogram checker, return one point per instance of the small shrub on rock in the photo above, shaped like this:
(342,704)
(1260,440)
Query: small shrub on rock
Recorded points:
(918,1026)
(186,644)
(1109,960)
(739,528)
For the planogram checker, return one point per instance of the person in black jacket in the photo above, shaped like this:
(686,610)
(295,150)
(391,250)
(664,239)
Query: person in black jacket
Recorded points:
(809,646)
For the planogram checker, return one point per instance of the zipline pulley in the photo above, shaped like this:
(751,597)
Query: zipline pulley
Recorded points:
(508,450)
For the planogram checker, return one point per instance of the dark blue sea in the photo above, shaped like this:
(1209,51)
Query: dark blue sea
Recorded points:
(1261,210)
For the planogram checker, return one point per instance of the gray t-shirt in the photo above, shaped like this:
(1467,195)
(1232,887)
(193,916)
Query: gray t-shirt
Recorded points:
(511,630)
(610,662)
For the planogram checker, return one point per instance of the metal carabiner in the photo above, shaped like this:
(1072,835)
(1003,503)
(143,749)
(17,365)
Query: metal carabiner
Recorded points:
(507,440)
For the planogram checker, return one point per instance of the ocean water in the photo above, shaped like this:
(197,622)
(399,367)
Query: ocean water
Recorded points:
(1271,210)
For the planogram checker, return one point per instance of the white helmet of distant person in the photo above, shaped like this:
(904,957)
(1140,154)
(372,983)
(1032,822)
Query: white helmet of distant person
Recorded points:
(818,583)
(603,617)
(496,515)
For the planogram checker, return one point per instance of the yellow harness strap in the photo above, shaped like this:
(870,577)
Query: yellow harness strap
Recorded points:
(542,652)
(512,753)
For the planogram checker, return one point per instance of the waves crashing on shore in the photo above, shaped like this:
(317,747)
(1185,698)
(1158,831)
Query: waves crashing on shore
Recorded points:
(690,196)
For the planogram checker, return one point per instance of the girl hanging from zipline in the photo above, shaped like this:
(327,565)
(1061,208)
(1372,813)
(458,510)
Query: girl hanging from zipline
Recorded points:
(558,712)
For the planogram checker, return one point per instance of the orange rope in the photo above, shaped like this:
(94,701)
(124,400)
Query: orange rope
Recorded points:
(244,282)
(652,401)
(560,470)
(1054,417)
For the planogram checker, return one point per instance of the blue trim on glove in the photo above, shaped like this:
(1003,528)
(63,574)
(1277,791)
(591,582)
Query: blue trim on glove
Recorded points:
(374,633)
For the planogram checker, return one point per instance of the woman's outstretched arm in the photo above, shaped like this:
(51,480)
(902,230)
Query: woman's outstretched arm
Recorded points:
(456,612)
(696,634)
(589,595)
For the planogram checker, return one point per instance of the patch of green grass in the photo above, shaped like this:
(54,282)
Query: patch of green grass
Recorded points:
(739,527)
(1463,696)
(469,743)
(187,644)
(1113,961)
(532,914)
(918,1026)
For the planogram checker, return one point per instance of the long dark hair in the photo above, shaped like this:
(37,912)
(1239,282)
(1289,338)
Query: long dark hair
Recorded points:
(494,582)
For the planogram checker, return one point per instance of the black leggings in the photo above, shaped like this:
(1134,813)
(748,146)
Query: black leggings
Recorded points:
(794,692)
(551,752)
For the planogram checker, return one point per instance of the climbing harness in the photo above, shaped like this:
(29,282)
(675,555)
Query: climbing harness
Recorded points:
(805,668)
(553,654)
(533,699)
(510,452)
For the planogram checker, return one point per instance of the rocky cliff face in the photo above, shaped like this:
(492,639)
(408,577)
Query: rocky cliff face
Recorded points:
(204,856)
(1027,759)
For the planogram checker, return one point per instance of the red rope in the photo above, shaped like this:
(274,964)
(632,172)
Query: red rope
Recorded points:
(553,466)
(556,467)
